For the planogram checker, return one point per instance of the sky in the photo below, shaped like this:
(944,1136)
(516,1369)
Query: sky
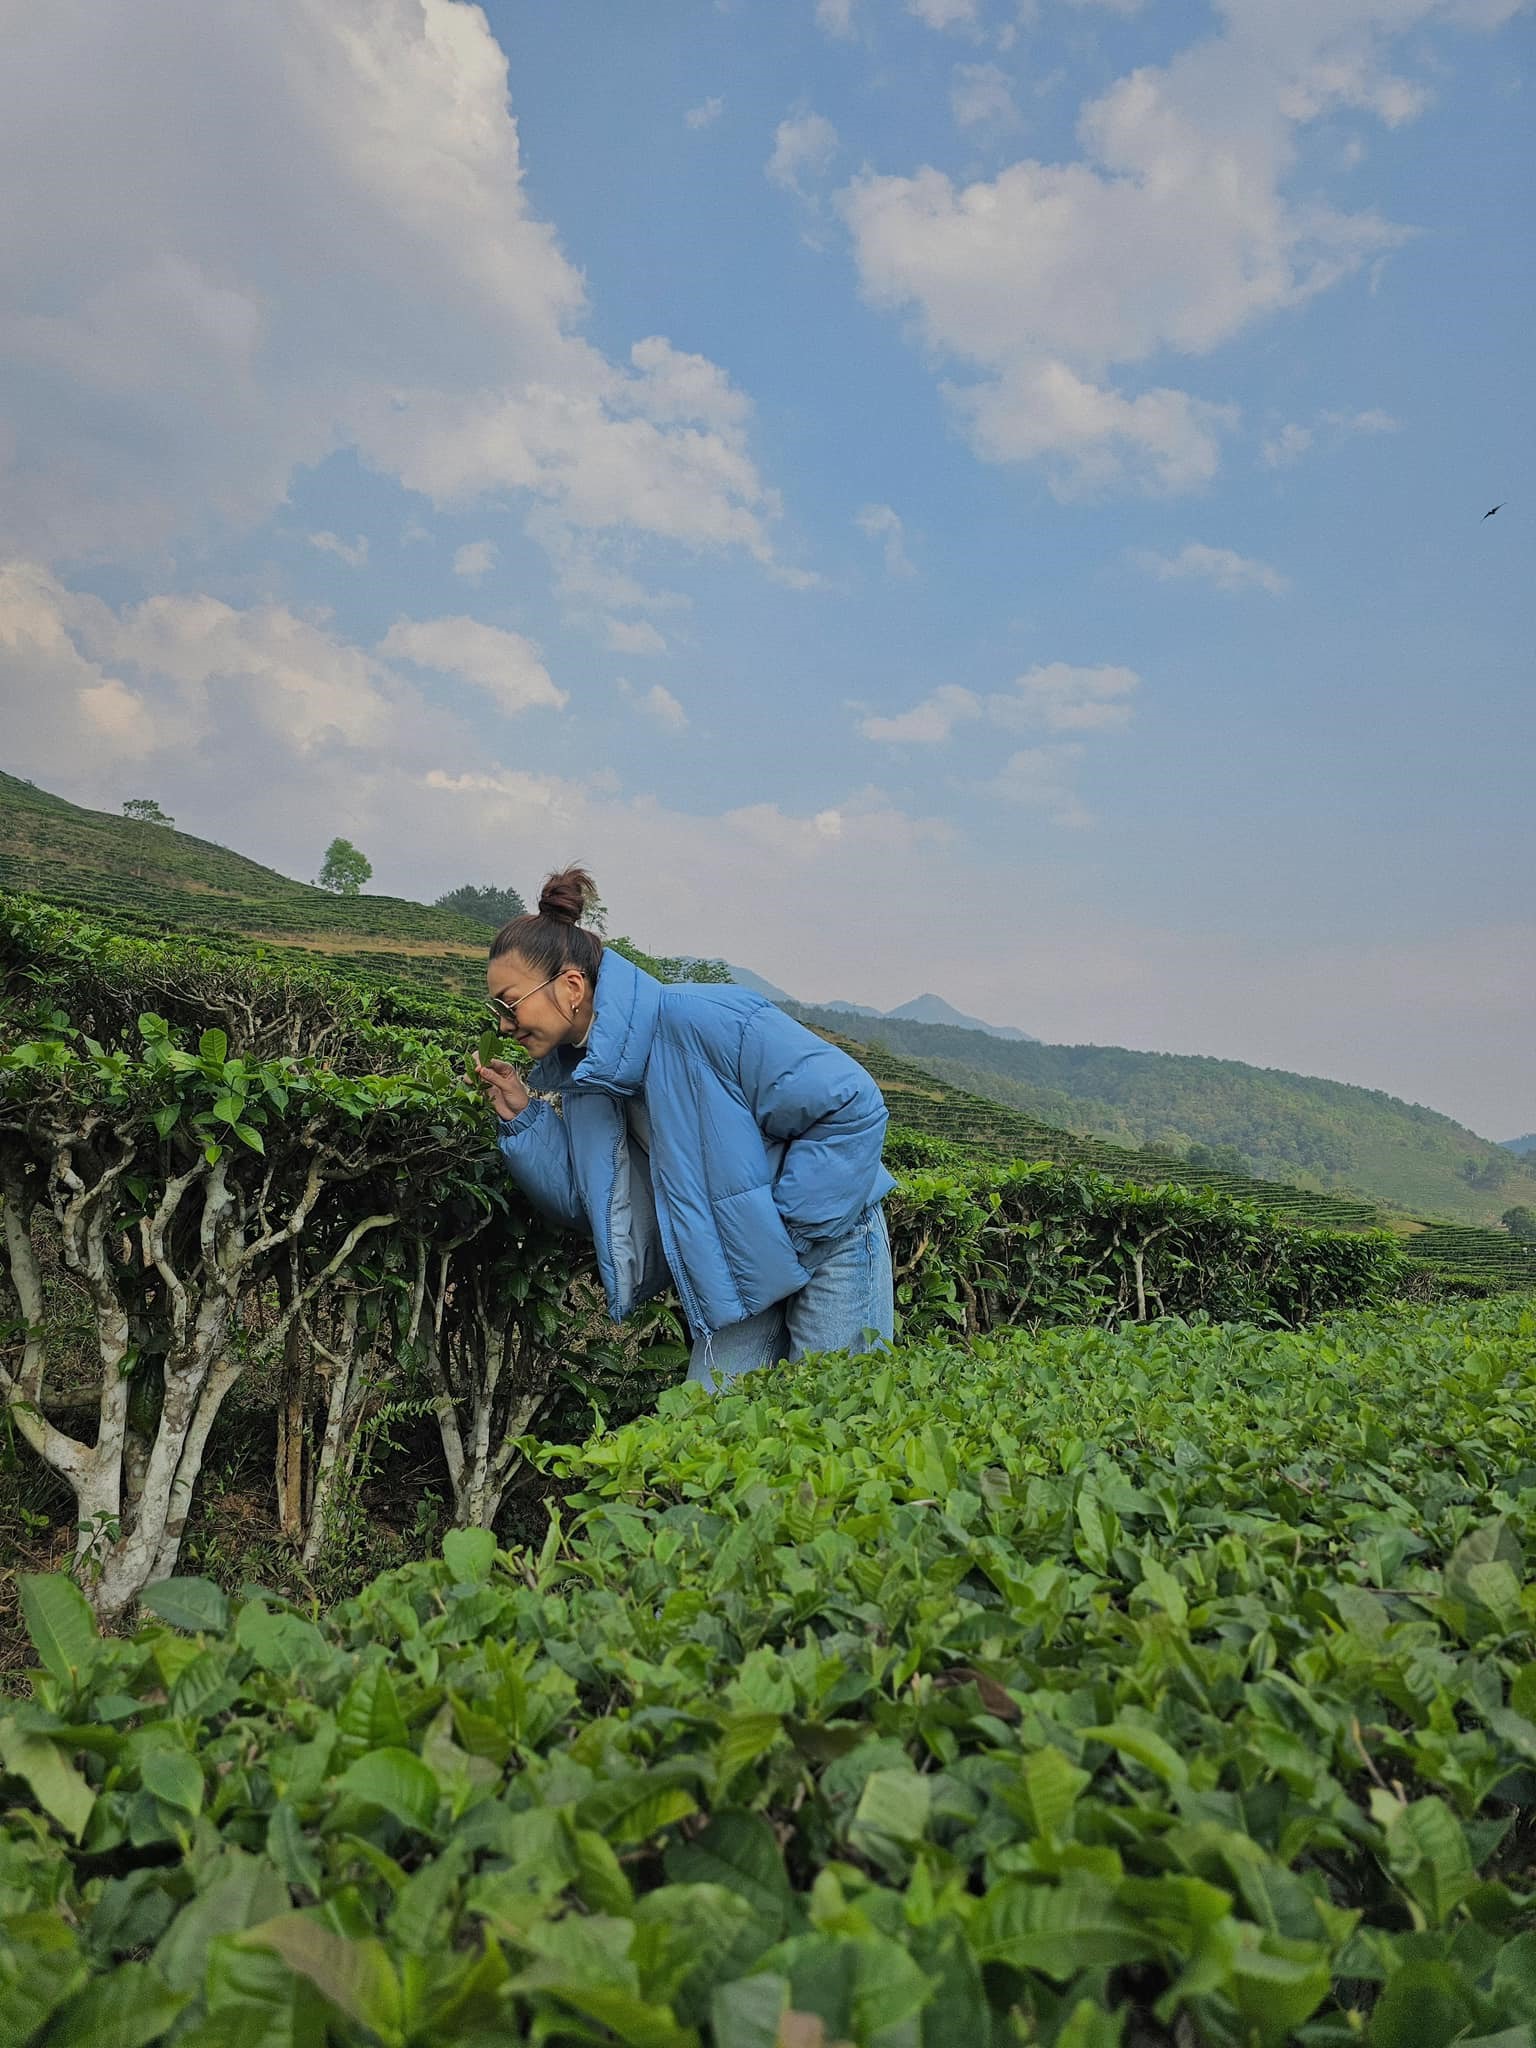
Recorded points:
(949,495)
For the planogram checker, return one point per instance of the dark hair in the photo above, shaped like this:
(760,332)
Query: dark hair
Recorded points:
(553,937)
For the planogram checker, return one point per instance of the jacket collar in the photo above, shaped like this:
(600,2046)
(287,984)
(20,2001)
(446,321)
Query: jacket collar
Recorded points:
(626,1004)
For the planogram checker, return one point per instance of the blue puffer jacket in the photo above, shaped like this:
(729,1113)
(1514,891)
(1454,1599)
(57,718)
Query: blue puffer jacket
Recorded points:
(764,1141)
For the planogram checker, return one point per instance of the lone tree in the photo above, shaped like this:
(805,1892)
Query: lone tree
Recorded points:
(1520,1222)
(345,869)
(145,811)
(490,905)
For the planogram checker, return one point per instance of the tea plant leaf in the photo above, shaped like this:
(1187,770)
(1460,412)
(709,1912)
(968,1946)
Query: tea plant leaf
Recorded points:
(53,1781)
(1051,1789)
(1056,1931)
(238,1890)
(369,1717)
(60,1623)
(172,1775)
(1143,1746)
(746,1736)
(356,1976)
(129,2009)
(737,1850)
(396,1780)
(633,1807)
(748,2013)
(469,1554)
(893,1803)
(196,1605)
(1427,1849)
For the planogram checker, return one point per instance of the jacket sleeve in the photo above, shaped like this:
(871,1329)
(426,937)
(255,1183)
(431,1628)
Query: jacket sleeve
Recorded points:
(537,1149)
(831,1116)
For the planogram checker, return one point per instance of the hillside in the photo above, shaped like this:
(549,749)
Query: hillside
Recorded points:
(1325,1135)
(153,878)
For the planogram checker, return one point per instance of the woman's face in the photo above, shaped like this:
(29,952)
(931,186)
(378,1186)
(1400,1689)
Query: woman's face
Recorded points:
(554,1014)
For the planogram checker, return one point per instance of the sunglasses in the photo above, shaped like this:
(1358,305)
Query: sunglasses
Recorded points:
(505,1012)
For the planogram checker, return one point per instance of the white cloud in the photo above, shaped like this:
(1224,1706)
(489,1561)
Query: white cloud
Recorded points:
(1062,698)
(589,570)
(256,235)
(354,554)
(504,665)
(1052,697)
(884,524)
(1224,567)
(1061,285)
(1372,421)
(705,114)
(944,13)
(673,386)
(1040,778)
(634,636)
(981,96)
(657,703)
(803,148)
(1294,439)
(835,17)
(660,704)
(1288,446)
(928,723)
(475,559)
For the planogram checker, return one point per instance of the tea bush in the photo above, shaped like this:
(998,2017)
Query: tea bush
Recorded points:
(1172,1685)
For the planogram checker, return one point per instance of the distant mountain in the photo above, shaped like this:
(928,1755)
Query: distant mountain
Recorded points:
(745,978)
(1520,1145)
(934,1010)
(921,1010)
(1313,1133)
(846,1009)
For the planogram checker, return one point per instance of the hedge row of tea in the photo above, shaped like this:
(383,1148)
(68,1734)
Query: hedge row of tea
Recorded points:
(1174,1685)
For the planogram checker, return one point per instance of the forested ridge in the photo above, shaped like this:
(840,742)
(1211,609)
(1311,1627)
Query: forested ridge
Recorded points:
(1293,1127)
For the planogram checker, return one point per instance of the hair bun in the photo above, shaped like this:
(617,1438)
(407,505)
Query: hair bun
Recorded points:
(567,896)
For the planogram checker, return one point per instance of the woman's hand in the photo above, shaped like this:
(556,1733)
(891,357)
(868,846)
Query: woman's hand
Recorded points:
(504,1087)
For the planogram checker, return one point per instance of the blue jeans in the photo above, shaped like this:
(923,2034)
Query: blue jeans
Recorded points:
(848,1293)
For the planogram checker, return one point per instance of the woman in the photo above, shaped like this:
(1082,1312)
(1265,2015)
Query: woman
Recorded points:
(703,1138)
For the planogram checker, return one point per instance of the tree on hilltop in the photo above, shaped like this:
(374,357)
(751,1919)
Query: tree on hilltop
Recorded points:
(345,869)
(143,810)
(486,903)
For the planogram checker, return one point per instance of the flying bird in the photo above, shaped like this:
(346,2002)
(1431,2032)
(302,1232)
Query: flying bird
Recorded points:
(1495,508)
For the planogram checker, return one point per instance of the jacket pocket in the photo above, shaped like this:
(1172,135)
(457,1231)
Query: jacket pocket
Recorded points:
(759,1257)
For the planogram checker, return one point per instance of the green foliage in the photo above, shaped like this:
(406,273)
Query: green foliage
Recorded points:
(1022,1246)
(1520,1222)
(344,870)
(1168,1685)
(487,904)
(144,810)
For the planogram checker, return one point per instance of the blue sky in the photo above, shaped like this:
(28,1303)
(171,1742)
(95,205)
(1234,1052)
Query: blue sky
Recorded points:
(919,493)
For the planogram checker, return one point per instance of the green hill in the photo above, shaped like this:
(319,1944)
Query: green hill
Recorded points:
(1325,1135)
(152,878)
